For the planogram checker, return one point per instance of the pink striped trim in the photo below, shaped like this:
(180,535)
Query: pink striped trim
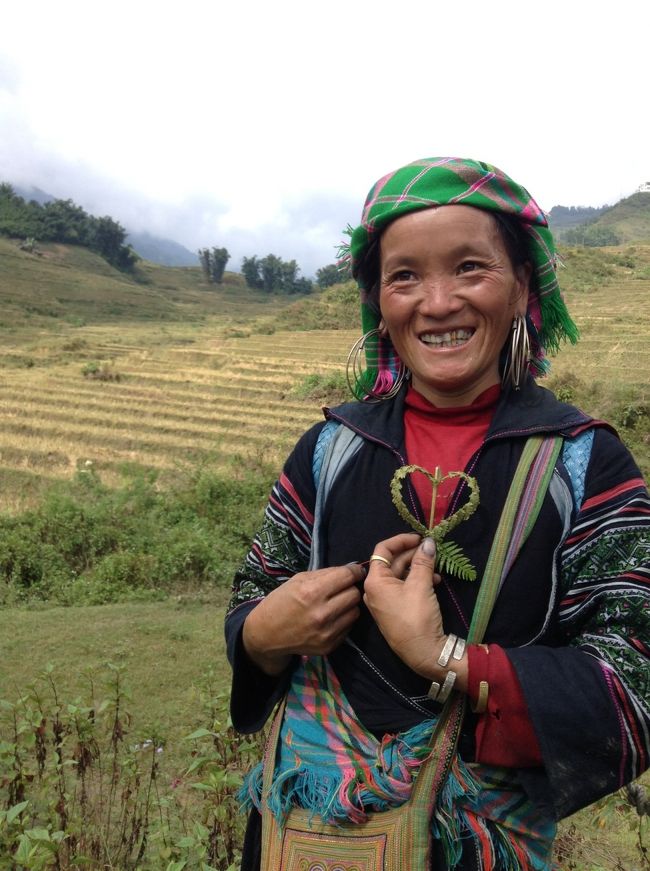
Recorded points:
(288,486)
(609,677)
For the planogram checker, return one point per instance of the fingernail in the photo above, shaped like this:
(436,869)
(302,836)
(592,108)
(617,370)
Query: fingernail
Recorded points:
(428,546)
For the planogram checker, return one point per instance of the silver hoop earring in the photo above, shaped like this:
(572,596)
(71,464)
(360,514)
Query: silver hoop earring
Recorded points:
(519,353)
(357,375)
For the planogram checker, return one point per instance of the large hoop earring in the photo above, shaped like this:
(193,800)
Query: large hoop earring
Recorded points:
(356,374)
(519,353)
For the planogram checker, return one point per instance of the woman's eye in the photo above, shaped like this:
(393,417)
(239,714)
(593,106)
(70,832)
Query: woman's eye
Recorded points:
(402,275)
(468,266)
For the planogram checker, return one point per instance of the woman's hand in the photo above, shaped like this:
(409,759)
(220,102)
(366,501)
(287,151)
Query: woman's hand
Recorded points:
(407,611)
(311,613)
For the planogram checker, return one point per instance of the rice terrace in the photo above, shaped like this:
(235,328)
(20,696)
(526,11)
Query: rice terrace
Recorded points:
(144,418)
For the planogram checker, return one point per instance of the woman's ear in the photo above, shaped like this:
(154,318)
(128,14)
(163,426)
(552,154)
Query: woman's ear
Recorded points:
(383,331)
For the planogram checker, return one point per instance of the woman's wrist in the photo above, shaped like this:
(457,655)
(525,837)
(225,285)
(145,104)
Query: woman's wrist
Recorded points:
(271,663)
(447,651)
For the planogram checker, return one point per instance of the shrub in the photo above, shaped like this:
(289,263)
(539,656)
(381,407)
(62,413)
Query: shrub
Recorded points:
(100,372)
(84,786)
(87,543)
(332,388)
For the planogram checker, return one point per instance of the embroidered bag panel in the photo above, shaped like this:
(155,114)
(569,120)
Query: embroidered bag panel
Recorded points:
(388,841)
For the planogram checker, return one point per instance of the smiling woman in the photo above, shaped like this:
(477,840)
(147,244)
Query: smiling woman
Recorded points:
(448,297)
(430,721)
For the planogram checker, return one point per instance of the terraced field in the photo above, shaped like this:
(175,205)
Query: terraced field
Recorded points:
(172,406)
(614,325)
(187,394)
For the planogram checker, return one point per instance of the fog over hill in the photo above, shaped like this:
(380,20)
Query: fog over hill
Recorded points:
(166,252)
(307,228)
(299,236)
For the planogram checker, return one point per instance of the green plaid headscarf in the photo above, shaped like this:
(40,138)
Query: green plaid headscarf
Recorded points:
(439,181)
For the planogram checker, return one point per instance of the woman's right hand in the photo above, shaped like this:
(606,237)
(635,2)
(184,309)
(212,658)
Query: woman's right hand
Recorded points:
(310,614)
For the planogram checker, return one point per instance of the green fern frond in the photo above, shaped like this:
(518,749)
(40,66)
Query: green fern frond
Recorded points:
(451,560)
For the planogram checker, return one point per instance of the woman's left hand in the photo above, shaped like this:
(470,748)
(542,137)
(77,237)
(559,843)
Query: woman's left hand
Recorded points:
(407,611)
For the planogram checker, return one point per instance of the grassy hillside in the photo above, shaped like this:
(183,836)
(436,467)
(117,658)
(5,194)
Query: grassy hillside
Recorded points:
(66,285)
(629,219)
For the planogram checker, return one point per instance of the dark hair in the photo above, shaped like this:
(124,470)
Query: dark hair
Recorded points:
(514,239)
(509,227)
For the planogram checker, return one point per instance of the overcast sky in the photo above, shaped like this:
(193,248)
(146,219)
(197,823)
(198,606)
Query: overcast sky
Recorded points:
(261,125)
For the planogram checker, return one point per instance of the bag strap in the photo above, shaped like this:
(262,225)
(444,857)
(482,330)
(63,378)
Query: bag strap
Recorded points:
(520,512)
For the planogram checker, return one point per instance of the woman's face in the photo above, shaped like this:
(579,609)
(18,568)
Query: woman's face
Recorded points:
(448,295)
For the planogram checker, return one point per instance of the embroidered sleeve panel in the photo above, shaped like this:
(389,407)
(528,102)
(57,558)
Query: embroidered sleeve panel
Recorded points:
(605,601)
(281,547)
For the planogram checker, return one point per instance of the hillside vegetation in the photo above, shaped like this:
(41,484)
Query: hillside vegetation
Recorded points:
(627,221)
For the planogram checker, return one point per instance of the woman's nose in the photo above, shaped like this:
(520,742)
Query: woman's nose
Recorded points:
(439,298)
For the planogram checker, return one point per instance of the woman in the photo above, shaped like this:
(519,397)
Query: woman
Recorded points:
(456,267)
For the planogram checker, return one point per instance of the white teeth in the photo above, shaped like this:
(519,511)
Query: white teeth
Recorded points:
(447,340)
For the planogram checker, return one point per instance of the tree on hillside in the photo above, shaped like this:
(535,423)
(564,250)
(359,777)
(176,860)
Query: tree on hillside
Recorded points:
(204,260)
(64,221)
(213,263)
(106,237)
(591,236)
(250,267)
(274,275)
(302,285)
(219,259)
(334,273)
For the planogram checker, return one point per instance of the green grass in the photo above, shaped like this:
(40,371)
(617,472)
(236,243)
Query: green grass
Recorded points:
(166,648)
(87,543)
(68,286)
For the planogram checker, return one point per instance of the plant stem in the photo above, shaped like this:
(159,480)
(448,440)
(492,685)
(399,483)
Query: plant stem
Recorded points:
(437,480)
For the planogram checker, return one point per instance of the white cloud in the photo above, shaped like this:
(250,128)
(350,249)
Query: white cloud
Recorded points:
(246,119)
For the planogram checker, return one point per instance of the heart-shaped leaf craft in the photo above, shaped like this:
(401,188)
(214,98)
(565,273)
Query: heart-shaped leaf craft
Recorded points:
(449,556)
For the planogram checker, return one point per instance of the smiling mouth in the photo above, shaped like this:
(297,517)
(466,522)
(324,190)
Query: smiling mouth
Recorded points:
(452,339)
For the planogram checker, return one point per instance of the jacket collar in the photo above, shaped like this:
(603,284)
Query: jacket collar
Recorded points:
(521,413)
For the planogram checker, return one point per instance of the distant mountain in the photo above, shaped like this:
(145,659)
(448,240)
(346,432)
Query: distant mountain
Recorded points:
(166,252)
(32,193)
(629,219)
(566,217)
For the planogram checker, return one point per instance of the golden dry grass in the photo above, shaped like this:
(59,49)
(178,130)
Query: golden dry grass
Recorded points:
(188,394)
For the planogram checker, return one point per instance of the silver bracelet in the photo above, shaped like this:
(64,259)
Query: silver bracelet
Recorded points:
(459,649)
(441,693)
(449,645)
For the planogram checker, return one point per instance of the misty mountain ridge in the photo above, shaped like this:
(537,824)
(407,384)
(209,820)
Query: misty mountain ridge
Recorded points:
(165,252)
(626,221)
(629,219)
(566,217)
(157,249)
(33,193)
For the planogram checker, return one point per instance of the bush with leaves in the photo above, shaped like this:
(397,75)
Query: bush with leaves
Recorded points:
(81,787)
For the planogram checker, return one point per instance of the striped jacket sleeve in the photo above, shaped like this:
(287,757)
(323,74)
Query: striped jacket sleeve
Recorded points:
(590,698)
(280,550)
